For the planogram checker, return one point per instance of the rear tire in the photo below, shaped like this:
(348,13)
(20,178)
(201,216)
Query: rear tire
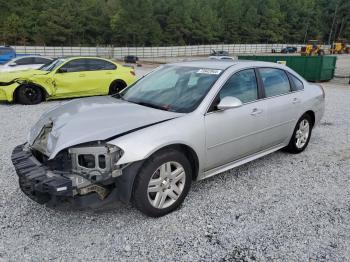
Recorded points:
(116,87)
(301,135)
(162,183)
(29,94)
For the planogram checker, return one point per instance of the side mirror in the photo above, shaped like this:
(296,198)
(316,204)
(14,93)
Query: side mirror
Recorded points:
(12,64)
(62,70)
(229,102)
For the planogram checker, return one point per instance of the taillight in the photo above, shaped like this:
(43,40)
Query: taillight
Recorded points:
(133,73)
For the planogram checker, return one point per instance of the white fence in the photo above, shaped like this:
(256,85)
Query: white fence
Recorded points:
(150,52)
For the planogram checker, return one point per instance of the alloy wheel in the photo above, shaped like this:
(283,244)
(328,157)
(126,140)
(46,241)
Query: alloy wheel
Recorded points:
(302,134)
(166,185)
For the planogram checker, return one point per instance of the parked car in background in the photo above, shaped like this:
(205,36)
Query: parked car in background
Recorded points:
(221,57)
(219,53)
(65,78)
(182,122)
(6,54)
(24,63)
(289,49)
(132,59)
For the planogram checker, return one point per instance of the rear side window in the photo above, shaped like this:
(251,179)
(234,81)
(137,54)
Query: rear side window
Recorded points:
(296,83)
(275,81)
(25,61)
(242,85)
(41,60)
(98,64)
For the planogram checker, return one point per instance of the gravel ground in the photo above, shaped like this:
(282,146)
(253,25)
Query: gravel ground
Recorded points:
(281,207)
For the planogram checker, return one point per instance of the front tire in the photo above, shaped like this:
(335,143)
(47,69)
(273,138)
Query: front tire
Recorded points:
(301,135)
(29,94)
(163,183)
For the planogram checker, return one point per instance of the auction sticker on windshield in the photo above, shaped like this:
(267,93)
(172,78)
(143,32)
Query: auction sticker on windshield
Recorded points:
(209,71)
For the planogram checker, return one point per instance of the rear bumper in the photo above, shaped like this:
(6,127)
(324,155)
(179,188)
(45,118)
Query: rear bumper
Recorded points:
(45,187)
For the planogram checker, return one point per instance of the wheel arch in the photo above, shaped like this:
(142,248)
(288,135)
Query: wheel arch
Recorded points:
(125,183)
(42,89)
(312,115)
(117,81)
(189,153)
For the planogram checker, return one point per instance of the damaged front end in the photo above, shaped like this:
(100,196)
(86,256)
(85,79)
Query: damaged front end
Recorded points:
(85,176)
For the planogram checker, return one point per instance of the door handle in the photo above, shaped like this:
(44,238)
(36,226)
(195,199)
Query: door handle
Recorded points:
(81,75)
(108,73)
(256,111)
(296,100)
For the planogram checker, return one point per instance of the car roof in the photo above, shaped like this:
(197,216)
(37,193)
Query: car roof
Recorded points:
(224,64)
(76,57)
(30,56)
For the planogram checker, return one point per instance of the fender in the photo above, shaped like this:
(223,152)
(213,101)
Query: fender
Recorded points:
(141,144)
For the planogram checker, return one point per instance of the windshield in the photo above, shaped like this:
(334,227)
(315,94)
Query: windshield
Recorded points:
(172,88)
(52,65)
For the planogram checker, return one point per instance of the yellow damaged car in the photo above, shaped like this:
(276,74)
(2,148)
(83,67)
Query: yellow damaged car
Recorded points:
(65,78)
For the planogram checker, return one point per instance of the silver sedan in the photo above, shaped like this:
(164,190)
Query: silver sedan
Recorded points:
(181,123)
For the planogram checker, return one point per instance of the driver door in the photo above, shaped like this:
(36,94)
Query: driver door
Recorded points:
(74,79)
(235,133)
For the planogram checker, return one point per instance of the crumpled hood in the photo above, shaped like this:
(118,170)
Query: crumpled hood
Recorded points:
(9,76)
(92,119)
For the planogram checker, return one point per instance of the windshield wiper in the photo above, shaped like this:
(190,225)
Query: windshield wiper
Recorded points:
(119,96)
(151,105)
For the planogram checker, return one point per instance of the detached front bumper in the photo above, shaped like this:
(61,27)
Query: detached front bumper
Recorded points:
(34,180)
(45,187)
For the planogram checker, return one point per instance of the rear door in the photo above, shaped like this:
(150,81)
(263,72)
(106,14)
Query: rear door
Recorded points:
(282,106)
(102,73)
(235,133)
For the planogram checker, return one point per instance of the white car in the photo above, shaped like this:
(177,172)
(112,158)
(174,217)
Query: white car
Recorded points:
(25,62)
(221,57)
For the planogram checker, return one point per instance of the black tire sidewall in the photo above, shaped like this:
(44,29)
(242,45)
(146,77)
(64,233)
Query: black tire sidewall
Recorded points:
(292,147)
(116,87)
(140,197)
(23,99)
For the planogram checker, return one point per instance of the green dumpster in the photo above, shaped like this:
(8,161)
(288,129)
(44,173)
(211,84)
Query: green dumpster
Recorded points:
(312,68)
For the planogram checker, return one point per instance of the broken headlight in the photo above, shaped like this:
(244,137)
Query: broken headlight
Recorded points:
(96,163)
(41,141)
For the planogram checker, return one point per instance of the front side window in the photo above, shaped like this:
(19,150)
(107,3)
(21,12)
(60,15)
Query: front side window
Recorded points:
(76,65)
(172,88)
(242,85)
(275,81)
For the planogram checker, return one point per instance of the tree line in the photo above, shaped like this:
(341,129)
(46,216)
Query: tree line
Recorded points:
(171,22)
